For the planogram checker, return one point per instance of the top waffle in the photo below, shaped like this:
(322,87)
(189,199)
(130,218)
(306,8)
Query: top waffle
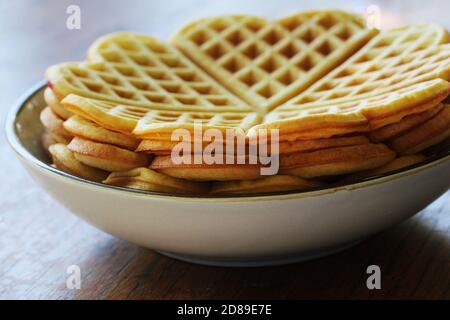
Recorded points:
(268,62)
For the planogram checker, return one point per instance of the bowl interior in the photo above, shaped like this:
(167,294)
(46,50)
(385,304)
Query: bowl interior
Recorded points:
(28,128)
(24,131)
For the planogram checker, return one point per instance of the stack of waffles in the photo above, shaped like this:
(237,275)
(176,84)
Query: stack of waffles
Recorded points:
(345,101)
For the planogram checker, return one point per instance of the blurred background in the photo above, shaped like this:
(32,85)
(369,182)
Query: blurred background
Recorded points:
(34,242)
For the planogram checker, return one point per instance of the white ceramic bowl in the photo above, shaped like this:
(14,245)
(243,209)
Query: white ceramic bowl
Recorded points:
(232,231)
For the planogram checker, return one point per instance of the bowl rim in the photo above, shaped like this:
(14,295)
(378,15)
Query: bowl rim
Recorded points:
(25,154)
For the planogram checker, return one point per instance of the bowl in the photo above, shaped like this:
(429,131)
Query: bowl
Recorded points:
(247,230)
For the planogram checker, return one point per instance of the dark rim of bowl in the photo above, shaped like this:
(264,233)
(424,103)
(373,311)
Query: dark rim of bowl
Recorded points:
(23,152)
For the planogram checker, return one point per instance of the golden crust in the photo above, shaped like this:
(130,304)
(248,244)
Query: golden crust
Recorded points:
(288,147)
(105,156)
(268,184)
(225,173)
(64,160)
(398,115)
(430,133)
(54,125)
(396,164)
(150,180)
(205,172)
(53,102)
(395,129)
(89,130)
(336,161)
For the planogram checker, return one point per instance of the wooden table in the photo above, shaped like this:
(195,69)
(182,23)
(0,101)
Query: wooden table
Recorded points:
(39,239)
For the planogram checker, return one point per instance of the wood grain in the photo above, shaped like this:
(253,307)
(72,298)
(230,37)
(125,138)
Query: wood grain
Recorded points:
(39,239)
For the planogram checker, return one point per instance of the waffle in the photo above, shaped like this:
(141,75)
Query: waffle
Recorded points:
(55,105)
(156,124)
(336,161)
(138,70)
(268,62)
(311,121)
(163,147)
(394,65)
(54,126)
(105,156)
(393,130)
(431,132)
(396,164)
(80,127)
(160,147)
(150,180)
(129,77)
(288,147)
(269,184)
(65,160)
(205,172)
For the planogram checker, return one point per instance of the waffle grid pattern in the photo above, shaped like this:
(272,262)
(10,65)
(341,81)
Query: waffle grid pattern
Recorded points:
(264,58)
(214,120)
(350,107)
(392,60)
(138,70)
(142,119)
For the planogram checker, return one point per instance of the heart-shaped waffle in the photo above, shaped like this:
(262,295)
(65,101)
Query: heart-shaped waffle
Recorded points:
(268,62)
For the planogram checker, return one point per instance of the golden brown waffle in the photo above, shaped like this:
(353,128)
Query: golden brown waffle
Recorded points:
(205,172)
(269,184)
(150,180)
(431,132)
(65,160)
(288,147)
(89,130)
(395,129)
(55,105)
(162,147)
(139,70)
(268,62)
(312,121)
(396,164)
(105,156)
(393,59)
(336,161)
(54,126)
(144,123)
(132,77)
(374,83)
